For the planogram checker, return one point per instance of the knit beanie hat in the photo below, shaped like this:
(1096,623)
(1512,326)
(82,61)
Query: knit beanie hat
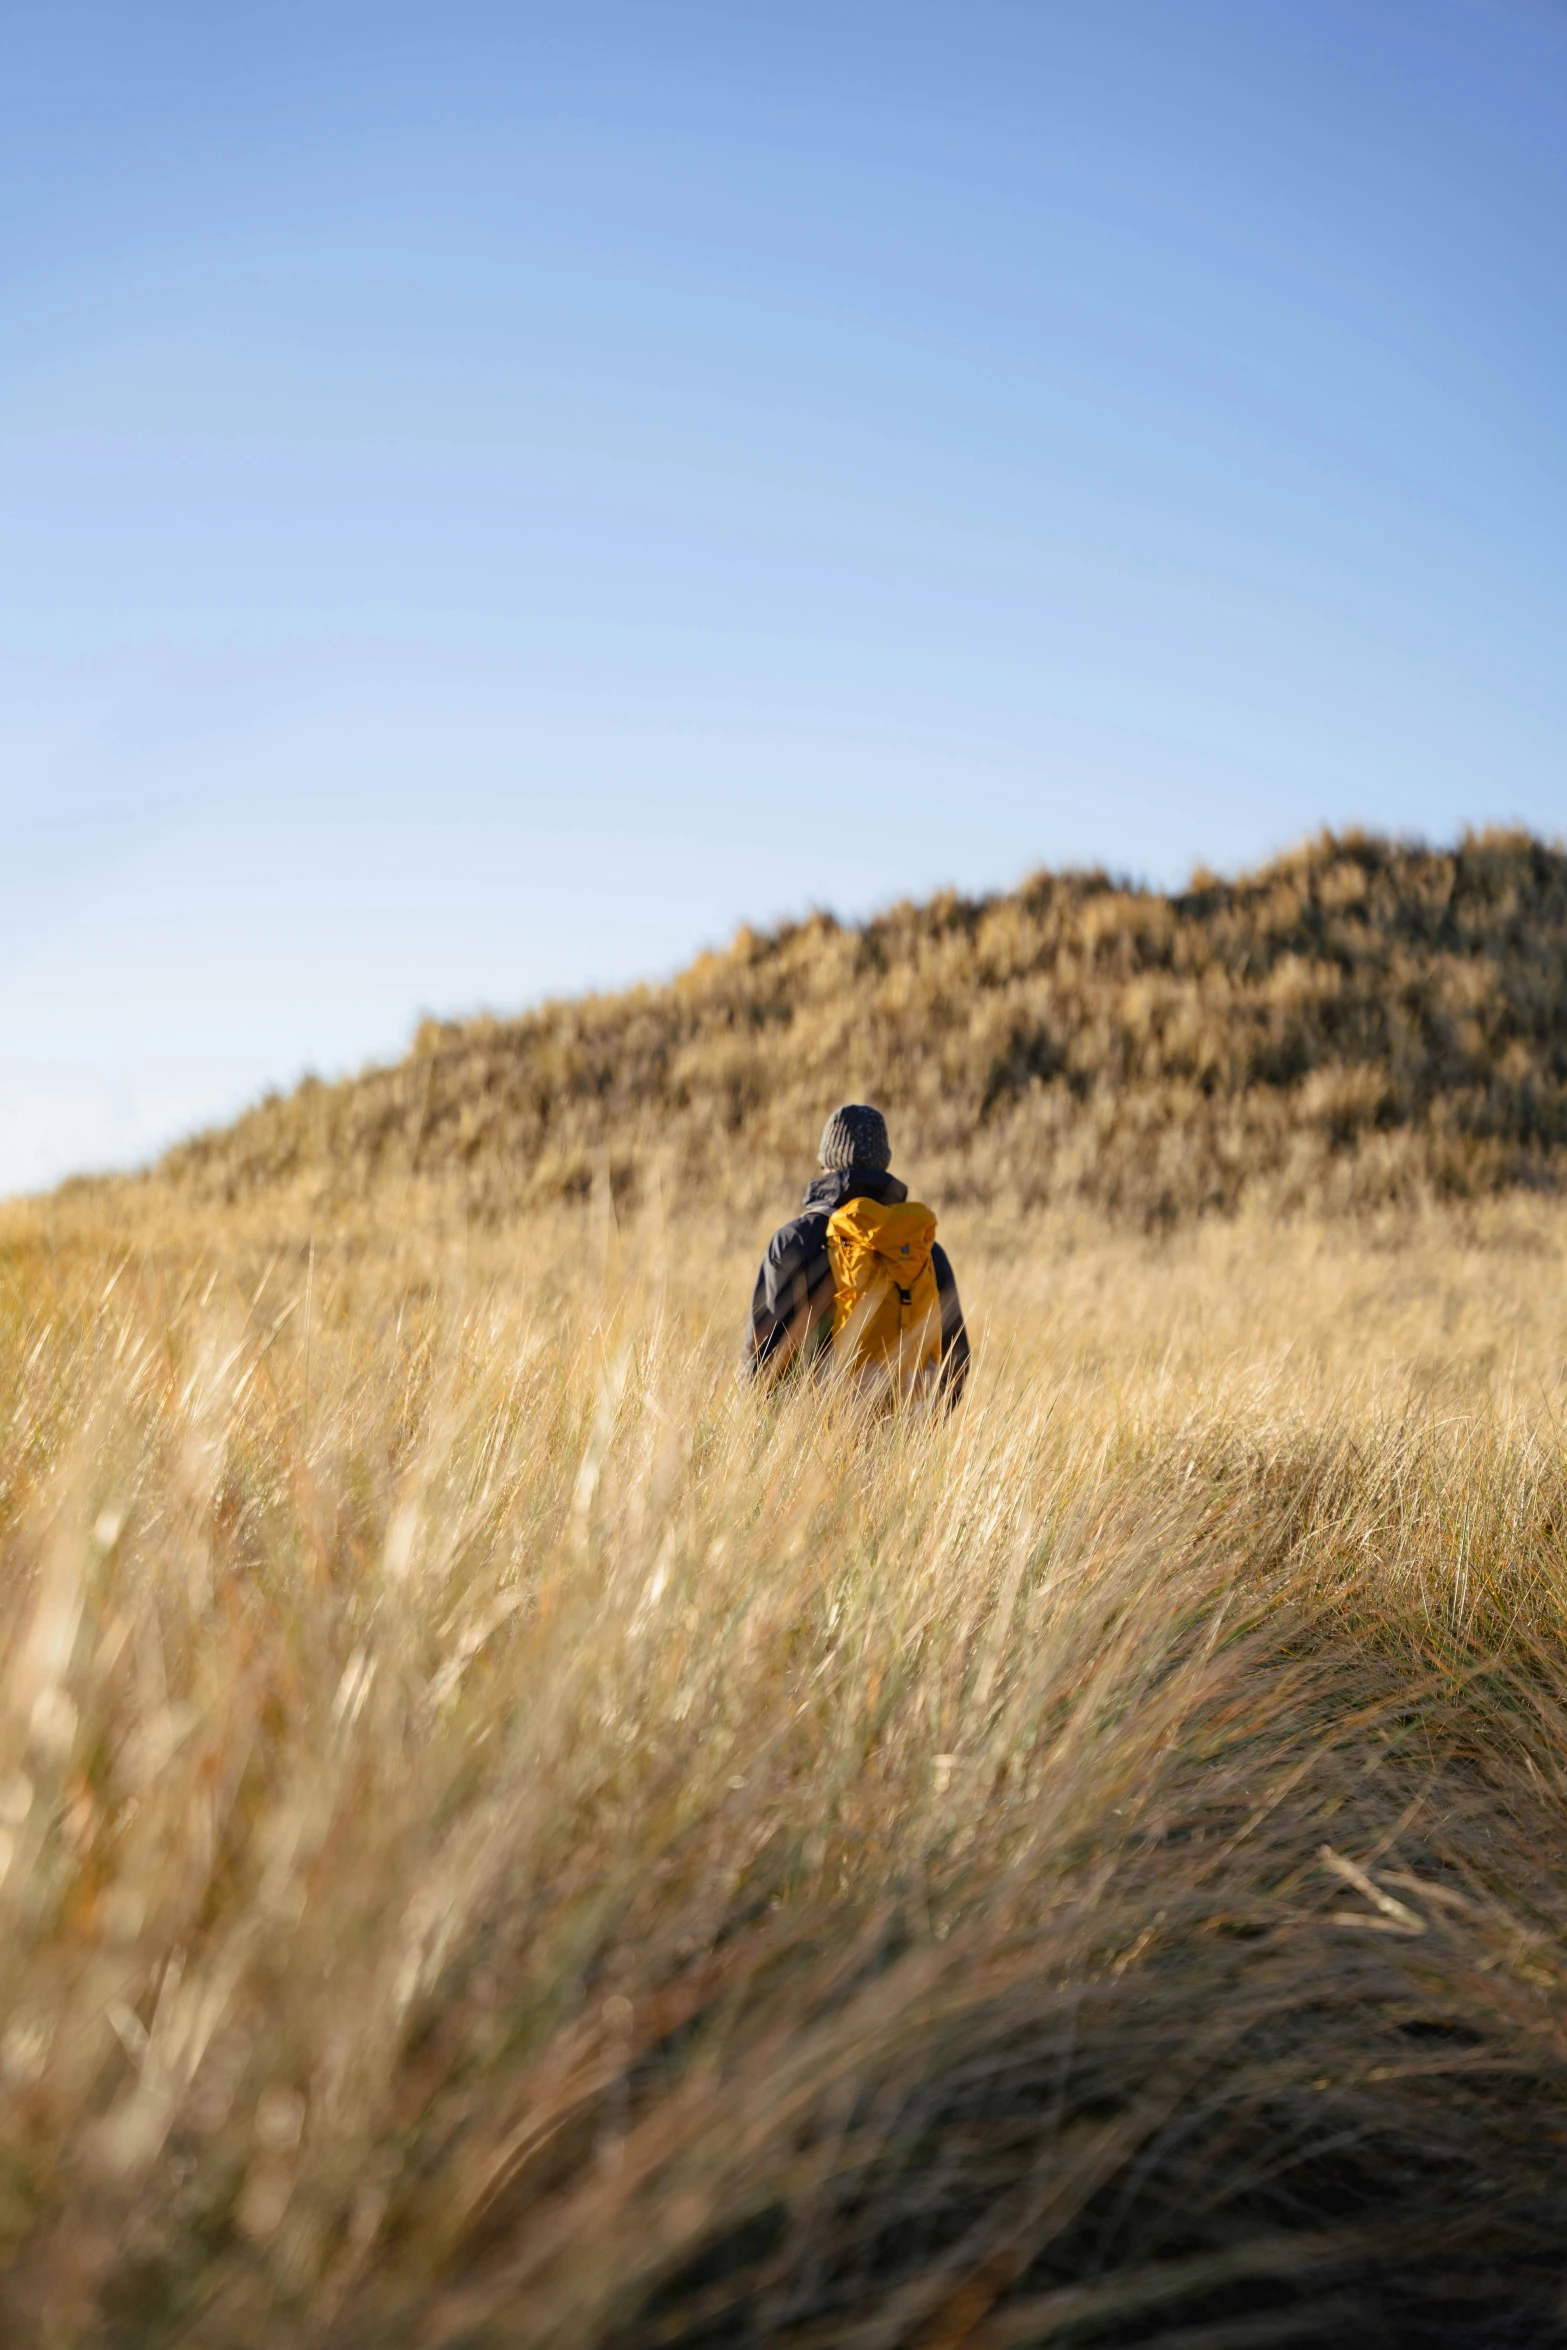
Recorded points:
(856,1136)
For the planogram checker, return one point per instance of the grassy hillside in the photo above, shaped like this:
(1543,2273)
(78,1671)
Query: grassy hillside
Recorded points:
(1358,1023)
(510,1841)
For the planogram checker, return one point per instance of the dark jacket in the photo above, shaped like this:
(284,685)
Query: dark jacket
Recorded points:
(791,1305)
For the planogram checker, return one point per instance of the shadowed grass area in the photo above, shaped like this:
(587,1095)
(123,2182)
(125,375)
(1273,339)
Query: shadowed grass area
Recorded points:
(510,1839)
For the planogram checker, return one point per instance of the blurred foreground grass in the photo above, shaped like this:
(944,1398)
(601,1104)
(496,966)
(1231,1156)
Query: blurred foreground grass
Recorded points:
(508,1839)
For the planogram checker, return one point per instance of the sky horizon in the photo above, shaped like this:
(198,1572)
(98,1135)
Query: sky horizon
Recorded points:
(492,505)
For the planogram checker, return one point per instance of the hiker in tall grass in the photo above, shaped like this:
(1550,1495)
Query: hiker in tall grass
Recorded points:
(859,1283)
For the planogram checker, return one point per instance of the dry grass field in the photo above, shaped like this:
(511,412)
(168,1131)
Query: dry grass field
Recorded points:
(509,1839)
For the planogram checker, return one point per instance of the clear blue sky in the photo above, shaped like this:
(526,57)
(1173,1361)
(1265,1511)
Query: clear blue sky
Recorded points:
(491,497)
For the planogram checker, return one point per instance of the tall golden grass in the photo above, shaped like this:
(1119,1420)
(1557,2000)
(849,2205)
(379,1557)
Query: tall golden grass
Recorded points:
(510,1839)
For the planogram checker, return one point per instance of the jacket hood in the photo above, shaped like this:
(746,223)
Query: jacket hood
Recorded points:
(837,1185)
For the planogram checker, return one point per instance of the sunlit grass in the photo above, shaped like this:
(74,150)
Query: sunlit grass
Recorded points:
(511,1839)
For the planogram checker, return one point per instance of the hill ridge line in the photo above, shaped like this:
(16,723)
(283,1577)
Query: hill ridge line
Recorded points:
(1359,1022)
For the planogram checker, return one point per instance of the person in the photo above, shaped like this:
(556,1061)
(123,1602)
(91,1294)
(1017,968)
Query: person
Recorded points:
(859,1281)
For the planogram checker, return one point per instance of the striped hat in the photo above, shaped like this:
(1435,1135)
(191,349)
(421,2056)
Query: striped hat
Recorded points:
(856,1136)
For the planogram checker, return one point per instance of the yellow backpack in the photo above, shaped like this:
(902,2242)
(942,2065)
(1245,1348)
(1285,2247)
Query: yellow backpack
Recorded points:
(886,1315)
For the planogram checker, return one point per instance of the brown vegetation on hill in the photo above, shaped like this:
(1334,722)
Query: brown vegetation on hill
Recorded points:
(1358,1023)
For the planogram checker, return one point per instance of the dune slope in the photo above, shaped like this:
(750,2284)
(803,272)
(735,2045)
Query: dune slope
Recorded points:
(1358,1023)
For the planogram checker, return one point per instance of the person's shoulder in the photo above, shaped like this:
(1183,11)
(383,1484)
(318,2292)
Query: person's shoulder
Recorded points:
(802,1234)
